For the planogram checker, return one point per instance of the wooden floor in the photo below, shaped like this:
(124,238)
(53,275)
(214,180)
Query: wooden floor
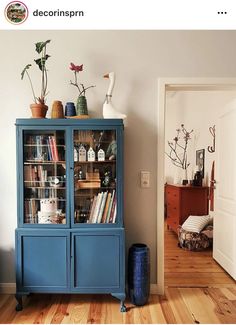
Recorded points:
(178,306)
(191,269)
(198,291)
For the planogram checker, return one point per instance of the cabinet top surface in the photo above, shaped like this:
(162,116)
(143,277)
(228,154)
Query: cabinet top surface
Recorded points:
(186,186)
(68,122)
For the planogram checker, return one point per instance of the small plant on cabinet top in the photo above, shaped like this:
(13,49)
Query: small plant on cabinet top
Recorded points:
(81,104)
(179,148)
(81,88)
(39,101)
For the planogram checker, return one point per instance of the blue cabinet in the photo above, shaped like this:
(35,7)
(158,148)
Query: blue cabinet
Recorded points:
(70,235)
(97,261)
(43,261)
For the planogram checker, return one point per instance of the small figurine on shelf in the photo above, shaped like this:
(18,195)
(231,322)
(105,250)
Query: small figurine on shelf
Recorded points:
(112,150)
(81,173)
(82,153)
(75,154)
(91,154)
(101,155)
(107,178)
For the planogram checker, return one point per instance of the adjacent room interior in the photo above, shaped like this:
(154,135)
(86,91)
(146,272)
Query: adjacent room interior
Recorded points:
(191,156)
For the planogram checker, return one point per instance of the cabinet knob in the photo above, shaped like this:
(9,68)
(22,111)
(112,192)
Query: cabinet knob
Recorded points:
(71,168)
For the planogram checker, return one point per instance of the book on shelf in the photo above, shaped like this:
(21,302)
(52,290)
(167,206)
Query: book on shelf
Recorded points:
(110,206)
(49,150)
(114,216)
(103,208)
(97,207)
(35,175)
(104,197)
(43,148)
(106,208)
(112,209)
(93,204)
(31,209)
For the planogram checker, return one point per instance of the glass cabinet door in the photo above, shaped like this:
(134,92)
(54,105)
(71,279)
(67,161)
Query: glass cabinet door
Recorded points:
(95,197)
(44,177)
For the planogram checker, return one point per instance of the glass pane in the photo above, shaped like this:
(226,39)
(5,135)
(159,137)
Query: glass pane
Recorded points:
(95,176)
(44,177)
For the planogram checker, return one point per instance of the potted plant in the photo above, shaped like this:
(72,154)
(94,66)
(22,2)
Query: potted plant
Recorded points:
(81,105)
(178,151)
(39,108)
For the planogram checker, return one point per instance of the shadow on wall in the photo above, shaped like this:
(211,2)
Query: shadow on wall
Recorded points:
(140,203)
(7,266)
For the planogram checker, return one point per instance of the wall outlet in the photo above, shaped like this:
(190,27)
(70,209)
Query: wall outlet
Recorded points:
(145,179)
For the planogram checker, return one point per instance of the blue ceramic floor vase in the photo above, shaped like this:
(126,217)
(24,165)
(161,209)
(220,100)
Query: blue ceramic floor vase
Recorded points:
(139,274)
(70,236)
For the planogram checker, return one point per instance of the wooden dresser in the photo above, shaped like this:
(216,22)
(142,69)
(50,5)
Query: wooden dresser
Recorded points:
(182,201)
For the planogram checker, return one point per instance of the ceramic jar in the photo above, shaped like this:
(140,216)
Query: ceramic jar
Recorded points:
(70,109)
(57,109)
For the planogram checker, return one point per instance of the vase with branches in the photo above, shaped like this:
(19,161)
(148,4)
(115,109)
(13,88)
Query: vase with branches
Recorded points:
(81,104)
(39,108)
(178,150)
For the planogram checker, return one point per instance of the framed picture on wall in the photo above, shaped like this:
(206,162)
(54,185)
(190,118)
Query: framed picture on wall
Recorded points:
(200,159)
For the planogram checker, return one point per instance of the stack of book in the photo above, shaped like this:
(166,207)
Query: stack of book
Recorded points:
(42,148)
(31,209)
(103,208)
(35,175)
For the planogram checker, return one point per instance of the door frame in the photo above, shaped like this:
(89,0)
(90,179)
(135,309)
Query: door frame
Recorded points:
(164,85)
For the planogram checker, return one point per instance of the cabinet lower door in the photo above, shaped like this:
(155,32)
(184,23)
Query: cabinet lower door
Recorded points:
(43,261)
(97,264)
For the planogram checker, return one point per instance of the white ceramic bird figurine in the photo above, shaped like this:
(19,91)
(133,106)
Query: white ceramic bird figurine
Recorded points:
(109,110)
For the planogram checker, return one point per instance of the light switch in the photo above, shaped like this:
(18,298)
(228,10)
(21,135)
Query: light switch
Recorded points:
(145,179)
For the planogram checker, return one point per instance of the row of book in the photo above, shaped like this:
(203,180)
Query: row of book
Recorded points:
(103,208)
(44,148)
(35,175)
(47,193)
(31,211)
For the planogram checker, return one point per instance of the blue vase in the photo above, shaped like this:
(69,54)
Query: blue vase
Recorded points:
(70,109)
(139,274)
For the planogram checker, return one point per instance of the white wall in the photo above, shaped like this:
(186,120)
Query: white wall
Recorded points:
(138,58)
(197,110)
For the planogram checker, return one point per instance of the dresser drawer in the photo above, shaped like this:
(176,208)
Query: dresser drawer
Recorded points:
(182,201)
(172,194)
(173,211)
(173,224)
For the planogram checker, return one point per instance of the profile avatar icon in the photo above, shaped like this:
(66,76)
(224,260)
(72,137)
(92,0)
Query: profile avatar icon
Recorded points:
(16,12)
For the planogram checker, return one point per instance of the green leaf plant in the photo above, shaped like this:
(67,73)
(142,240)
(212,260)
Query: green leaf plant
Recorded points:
(40,48)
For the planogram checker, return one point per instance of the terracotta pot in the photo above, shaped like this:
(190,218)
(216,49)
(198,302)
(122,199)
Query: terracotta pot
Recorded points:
(38,110)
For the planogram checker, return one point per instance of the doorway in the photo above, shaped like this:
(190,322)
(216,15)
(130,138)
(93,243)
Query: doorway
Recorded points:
(187,94)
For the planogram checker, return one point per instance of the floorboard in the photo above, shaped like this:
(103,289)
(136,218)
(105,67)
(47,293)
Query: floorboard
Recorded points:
(197,291)
(177,306)
(191,269)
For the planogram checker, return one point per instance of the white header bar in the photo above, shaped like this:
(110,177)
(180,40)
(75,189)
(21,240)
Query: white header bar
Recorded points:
(119,14)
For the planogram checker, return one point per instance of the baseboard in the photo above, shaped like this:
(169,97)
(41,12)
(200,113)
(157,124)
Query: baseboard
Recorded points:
(8,288)
(153,289)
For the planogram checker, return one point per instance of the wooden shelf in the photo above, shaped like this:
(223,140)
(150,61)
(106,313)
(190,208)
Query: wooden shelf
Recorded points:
(45,162)
(93,189)
(94,162)
(42,145)
(49,198)
(88,142)
(47,187)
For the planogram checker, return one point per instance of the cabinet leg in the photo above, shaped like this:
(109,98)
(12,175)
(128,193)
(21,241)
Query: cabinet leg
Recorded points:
(19,305)
(121,297)
(123,308)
